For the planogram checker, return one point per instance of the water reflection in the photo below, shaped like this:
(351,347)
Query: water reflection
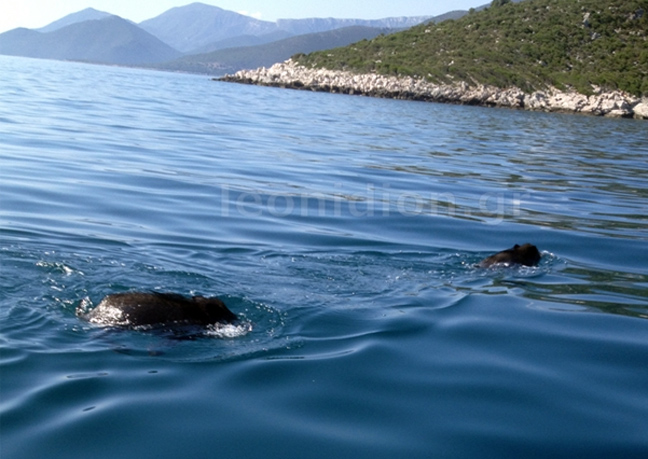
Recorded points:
(586,289)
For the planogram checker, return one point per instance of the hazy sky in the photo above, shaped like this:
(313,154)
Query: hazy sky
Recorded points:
(38,13)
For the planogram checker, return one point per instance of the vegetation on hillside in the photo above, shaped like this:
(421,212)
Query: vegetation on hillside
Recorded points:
(575,44)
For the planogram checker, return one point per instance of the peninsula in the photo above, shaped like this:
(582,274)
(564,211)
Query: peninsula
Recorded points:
(584,56)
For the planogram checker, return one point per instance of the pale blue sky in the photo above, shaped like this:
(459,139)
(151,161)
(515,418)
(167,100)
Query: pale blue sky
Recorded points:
(38,13)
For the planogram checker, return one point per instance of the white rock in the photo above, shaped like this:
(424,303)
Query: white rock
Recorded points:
(641,110)
(615,103)
(617,113)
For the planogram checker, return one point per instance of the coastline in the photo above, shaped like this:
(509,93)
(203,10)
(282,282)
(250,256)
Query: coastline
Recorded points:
(613,104)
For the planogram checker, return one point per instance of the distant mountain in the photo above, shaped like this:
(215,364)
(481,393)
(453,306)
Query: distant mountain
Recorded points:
(21,42)
(111,40)
(243,40)
(89,14)
(312,25)
(96,36)
(234,59)
(193,26)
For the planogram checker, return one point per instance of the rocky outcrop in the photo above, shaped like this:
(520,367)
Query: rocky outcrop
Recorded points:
(290,75)
(641,110)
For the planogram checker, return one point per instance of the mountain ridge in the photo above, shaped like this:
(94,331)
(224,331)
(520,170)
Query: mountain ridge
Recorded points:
(247,57)
(87,14)
(191,29)
(111,40)
(313,25)
(195,25)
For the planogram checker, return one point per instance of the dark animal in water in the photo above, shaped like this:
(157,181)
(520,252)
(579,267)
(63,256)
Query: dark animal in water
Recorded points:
(137,308)
(527,255)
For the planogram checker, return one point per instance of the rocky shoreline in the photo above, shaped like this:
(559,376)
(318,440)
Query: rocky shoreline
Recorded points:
(288,74)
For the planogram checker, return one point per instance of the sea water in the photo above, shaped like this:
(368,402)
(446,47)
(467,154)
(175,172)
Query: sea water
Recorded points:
(345,232)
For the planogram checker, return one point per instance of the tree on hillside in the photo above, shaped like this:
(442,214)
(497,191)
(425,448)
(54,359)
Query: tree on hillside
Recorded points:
(500,2)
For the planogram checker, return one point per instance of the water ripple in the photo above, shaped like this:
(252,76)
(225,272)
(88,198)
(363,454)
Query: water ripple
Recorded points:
(345,232)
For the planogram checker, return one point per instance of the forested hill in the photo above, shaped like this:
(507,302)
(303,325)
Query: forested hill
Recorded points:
(575,44)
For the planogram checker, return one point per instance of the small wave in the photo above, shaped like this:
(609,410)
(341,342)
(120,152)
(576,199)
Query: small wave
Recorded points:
(229,330)
(58,267)
(547,262)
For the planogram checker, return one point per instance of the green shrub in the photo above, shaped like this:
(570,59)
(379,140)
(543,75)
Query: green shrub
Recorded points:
(532,45)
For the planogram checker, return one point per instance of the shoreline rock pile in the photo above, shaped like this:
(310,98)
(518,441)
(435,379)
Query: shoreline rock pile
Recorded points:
(288,74)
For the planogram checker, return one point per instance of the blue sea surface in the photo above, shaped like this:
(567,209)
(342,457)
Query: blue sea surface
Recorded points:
(345,232)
